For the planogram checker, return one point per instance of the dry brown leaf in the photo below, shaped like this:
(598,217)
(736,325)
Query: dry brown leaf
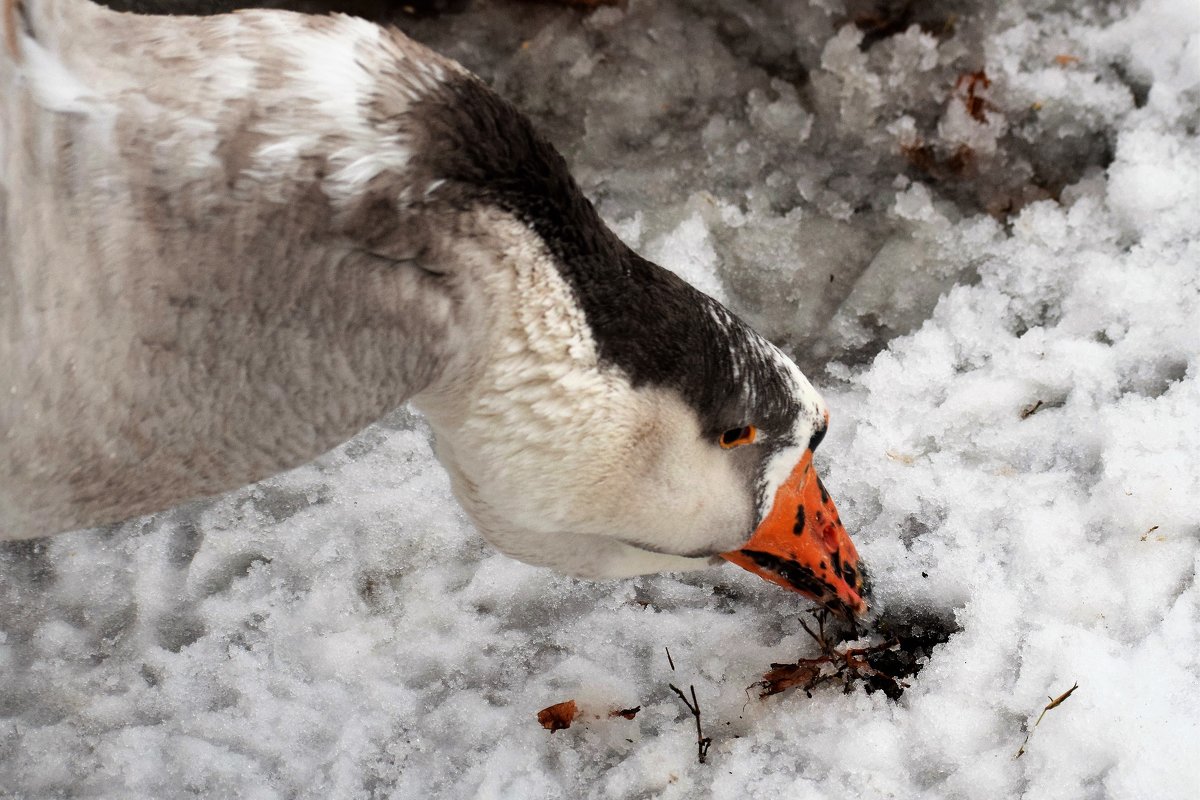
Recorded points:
(627,713)
(558,716)
(786,676)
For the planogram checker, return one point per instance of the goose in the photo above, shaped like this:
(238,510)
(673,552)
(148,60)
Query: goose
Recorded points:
(229,243)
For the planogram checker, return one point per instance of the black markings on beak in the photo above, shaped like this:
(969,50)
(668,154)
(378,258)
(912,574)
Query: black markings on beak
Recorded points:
(835,558)
(800,578)
(817,436)
(824,494)
(798,528)
(850,576)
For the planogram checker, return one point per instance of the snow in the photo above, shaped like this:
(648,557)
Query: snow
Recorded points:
(340,631)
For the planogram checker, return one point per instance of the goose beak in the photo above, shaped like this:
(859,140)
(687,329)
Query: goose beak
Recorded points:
(802,546)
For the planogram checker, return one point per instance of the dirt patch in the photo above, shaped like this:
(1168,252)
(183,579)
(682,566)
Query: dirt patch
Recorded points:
(883,659)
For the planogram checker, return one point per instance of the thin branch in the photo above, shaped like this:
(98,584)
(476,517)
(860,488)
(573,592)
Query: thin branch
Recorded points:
(818,638)
(669,661)
(702,742)
(1055,702)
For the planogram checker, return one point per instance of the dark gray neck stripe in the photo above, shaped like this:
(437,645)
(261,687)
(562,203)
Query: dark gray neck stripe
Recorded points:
(645,320)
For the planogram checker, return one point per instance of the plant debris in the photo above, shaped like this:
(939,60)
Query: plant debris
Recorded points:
(627,713)
(702,742)
(971,88)
(558,716)
(939,168)
(877,667)
(1055,702)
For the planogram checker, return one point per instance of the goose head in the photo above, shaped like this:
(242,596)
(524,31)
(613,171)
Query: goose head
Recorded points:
(608,419)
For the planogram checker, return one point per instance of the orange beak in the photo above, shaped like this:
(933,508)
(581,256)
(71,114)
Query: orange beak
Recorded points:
(802,546)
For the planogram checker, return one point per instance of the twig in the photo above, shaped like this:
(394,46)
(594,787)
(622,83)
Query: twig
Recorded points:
(1055,702)
(818,638)
(827,643)
(702,741)
(669,661)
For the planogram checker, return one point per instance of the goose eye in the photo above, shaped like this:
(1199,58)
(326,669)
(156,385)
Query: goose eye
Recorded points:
(736,437)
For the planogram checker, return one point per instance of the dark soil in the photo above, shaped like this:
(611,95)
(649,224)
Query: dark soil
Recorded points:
(902,643)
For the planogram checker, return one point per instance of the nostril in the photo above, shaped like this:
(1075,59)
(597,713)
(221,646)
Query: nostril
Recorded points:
(830,538)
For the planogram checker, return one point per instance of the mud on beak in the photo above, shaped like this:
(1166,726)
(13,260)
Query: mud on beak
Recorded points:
(802,546)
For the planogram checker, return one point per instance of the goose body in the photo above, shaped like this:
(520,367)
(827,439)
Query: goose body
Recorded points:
(229,243)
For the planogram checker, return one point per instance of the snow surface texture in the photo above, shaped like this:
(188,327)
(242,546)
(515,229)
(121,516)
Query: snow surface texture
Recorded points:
(944,254)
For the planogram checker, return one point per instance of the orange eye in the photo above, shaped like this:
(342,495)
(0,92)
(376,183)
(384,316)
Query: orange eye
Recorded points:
(736,437)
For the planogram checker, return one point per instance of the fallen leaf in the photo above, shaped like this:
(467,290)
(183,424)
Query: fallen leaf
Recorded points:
(786,676)
(558,716)
(627,713)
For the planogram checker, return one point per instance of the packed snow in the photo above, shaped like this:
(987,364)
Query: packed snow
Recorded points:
(975,225)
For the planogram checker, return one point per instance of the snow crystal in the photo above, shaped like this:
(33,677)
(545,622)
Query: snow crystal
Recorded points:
(975,226)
